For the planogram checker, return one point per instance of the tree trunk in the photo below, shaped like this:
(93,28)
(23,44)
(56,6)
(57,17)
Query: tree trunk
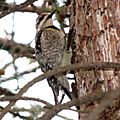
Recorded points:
(95,37)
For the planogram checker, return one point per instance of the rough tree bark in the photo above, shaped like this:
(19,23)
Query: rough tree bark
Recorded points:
(95,36)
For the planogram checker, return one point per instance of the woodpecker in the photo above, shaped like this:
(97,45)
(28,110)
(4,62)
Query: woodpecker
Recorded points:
(50,53)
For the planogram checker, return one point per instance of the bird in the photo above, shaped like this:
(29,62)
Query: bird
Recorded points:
(50,53)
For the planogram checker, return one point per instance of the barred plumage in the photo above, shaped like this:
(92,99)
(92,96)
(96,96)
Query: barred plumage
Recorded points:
(50,44)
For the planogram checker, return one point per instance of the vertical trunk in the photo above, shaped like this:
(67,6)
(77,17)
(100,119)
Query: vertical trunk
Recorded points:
(95,37)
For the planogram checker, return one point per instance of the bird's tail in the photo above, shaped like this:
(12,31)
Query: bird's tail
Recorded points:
(59,83)
(64,85)
(52,82)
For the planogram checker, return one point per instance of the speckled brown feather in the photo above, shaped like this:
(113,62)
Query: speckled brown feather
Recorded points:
(49,51)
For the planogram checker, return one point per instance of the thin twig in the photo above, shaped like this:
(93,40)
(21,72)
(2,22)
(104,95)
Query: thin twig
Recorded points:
(16,114)
(12,98)
(18,75)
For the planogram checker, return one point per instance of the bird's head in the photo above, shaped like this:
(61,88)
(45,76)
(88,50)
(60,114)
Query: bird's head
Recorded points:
(44,20)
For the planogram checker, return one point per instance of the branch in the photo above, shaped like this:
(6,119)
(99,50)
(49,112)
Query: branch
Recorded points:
(57,108)
(16,114)
(83,100)
(24,7)
(18,75)
(48,105)
(5,92)
(12,98)
(16,7)
(85,66)
(16,48)
(31,9)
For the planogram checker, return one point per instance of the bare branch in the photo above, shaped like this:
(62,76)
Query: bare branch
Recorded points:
(31,8)
(12,98)
(16,48)
(83,100)
(86,66)
(16,7)
(14,110)
(56,109)
(15,114)
(18,75)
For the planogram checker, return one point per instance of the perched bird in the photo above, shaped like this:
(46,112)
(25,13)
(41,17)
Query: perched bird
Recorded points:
(50,53)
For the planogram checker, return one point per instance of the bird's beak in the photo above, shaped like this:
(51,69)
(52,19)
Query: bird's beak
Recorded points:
(51,14)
